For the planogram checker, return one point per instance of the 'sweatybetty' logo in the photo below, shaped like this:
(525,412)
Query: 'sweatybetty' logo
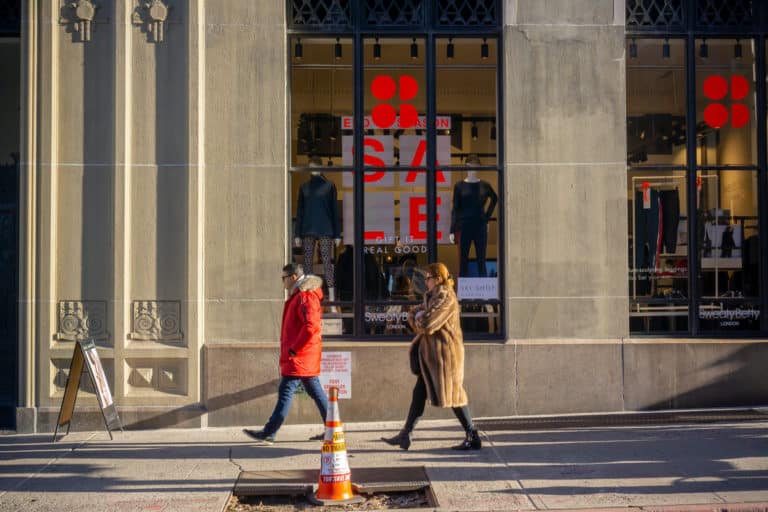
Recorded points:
(716,115)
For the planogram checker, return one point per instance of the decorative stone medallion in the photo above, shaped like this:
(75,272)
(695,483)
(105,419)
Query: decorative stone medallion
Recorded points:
(79,320)
(156,320)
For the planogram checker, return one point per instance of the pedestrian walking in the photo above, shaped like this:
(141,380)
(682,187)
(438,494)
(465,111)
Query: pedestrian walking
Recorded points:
(300,349)
(437,359)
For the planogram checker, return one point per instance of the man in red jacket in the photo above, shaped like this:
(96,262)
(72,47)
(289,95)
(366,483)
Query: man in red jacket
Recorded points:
(300,348)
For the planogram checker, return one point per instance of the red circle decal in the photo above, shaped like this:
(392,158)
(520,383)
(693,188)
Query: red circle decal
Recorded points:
(716,115)
(715,87)
(739,87)
(739,115)
(383,115)
(383,87)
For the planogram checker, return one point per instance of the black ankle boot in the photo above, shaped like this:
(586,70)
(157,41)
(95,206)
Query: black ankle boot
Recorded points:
(403,440)
(472,441)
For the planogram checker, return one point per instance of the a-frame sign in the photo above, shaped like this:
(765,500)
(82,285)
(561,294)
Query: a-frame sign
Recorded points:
(85,358)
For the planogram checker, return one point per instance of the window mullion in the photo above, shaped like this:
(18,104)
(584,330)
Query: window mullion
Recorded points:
(359,115)
(693,237)
(431,149)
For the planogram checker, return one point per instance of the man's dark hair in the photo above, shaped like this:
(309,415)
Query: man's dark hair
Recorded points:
(294,269)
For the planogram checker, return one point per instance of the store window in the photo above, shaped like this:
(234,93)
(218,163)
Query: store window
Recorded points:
(702,187)
(394,140)
(656,201)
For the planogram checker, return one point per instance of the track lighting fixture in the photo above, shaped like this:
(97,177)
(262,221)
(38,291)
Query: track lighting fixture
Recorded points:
(665,49)
(737,51)
(484,50)
(704,49)
(633,50)
(414,49)
(493,131)
(473,131)
(377,50)
(298,51)
(337,49)
(449,49)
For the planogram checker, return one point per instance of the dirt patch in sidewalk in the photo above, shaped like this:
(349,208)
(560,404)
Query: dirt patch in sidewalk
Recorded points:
(377,501)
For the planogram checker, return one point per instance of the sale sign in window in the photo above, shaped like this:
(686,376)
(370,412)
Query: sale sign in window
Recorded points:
(413,217)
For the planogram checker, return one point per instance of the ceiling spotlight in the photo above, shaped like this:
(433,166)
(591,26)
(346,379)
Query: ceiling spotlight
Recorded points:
(377,50)
(449,49)
(704,49)
(474,131)
(298,51)
(633,50)
(665,49)
(484,50)
(414,49)
(337,50)
(737,51)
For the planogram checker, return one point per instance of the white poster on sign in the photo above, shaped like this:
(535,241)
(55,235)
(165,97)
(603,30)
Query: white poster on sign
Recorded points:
(331,326)
(379,152)
(336,371)
(413,153)
(485,288)
(379,218)
(413,217)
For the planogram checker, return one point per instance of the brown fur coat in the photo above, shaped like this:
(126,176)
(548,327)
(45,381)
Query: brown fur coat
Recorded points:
(441,347)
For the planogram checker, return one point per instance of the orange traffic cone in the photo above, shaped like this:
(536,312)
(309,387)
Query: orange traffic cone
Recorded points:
(335,483)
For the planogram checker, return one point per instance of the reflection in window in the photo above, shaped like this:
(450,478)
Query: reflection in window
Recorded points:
(725,102)
(728,250)
(656,102)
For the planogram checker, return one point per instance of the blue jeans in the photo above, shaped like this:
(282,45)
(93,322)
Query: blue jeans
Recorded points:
(285,392)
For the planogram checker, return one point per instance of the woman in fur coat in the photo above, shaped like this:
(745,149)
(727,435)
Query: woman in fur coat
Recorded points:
(437,359)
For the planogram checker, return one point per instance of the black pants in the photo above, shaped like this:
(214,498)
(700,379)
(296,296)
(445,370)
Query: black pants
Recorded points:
(419,400)
(472,232)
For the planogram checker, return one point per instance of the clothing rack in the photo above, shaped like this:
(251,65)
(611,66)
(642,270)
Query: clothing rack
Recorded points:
(656,182)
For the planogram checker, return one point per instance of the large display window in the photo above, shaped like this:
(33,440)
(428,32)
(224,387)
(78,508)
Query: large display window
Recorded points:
(413,179)
(696,155)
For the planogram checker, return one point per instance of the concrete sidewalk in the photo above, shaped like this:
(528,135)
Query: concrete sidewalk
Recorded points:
(591,467)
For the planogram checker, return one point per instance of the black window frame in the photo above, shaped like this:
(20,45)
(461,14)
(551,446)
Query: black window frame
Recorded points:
(351,22)
(692,20)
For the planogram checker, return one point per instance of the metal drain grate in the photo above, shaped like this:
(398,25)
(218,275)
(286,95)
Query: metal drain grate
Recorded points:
(301,481)
(639,418)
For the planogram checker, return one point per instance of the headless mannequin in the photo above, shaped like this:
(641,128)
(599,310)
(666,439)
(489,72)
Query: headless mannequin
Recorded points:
(473,203)
(308,237)
(471,178)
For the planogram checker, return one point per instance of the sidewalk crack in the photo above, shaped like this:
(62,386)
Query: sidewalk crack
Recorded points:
(511,469)
(48,464)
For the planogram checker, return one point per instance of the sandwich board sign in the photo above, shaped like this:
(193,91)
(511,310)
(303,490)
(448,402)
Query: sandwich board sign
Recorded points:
(85,358)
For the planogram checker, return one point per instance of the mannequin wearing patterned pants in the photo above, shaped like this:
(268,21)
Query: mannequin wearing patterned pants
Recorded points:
(326,256)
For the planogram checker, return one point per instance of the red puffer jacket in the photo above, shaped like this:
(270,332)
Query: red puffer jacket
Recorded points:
(300,342)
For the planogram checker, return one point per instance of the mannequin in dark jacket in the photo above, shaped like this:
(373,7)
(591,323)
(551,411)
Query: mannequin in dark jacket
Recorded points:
(470,216)
(317,223)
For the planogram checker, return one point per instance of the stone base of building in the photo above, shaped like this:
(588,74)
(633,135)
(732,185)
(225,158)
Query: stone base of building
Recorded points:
(516,378)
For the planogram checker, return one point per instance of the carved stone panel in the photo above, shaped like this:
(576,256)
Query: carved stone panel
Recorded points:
(152,16)
(60,373)
(79,320)
(79,16)
(156,320)
(150,377)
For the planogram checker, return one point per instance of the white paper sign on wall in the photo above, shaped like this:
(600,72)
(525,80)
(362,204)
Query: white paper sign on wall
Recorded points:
(336,371)
(485,288)
(413,153)
(379,152)
(379,218)
(413,217)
